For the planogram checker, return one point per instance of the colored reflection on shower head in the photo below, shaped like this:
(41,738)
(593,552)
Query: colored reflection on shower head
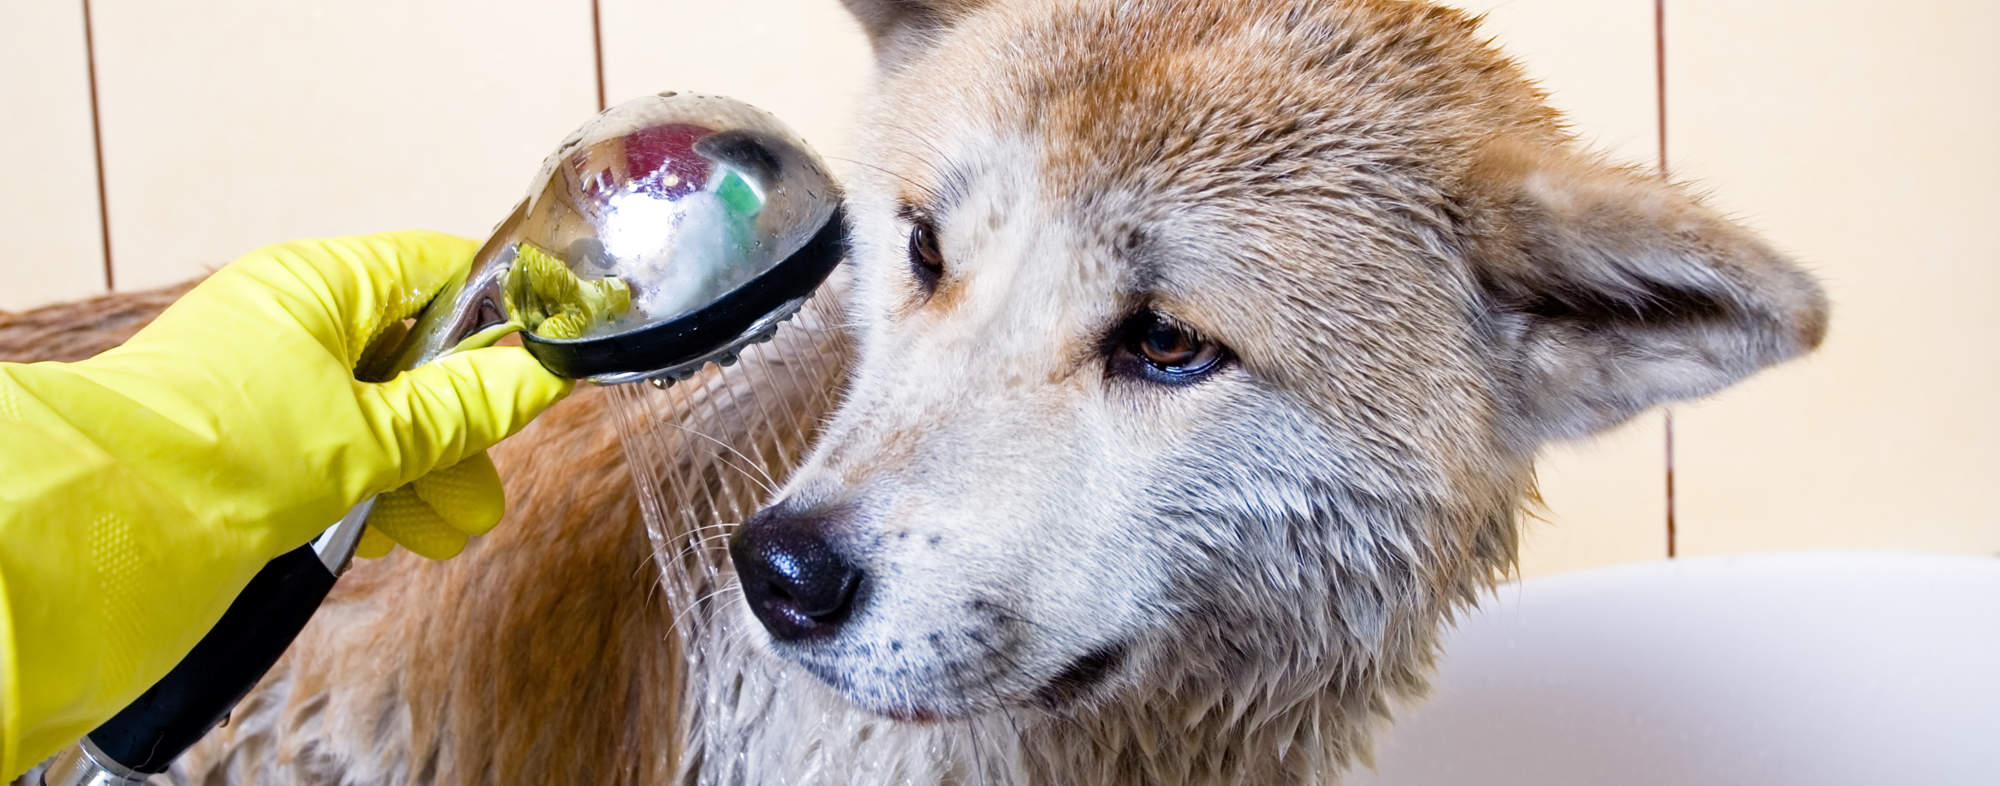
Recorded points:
(687,225)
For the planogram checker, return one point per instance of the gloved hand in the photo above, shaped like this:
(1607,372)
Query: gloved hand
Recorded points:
(141,489)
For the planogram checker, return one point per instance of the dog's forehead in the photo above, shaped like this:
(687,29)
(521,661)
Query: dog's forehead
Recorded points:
(1206,98)
(1214,129)
(1242,147)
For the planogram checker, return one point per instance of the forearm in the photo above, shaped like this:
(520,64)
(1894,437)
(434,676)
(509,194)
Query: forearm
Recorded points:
(108,580)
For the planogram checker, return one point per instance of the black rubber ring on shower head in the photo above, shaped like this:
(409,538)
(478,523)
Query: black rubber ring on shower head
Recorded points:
(707,329)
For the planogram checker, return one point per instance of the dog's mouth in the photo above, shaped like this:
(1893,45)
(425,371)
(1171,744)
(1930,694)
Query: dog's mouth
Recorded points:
(1081,678)
(925,701)
(914,715)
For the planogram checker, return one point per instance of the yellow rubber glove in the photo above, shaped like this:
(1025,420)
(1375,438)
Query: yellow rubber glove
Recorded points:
(434,514)
(141,489)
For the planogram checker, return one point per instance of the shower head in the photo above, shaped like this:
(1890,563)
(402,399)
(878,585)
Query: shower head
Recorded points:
(668,232)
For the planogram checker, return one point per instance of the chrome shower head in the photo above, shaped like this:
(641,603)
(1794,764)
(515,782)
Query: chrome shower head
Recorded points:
(691,225)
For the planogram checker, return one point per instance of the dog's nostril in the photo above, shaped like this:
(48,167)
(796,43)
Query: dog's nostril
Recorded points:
(806,574)
(795,581)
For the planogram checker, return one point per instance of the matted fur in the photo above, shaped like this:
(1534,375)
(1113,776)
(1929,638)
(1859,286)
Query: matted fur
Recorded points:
(1077,576)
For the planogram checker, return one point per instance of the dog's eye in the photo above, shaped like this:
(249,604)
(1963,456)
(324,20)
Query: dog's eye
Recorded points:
(1170,348)
(926,258)
(1164,351)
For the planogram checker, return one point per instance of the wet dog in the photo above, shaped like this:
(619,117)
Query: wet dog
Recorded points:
(1202,350)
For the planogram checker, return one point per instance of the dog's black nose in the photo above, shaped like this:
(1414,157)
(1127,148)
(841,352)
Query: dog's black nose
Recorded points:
(796,582)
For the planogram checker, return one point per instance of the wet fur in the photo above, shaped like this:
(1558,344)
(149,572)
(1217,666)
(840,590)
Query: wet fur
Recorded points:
(1421,274)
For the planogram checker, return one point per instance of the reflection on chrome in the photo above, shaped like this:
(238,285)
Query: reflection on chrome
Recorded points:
(684,197)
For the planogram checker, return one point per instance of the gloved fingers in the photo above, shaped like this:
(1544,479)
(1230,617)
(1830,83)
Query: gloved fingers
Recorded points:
(441,413)
(422,263)
(466,495)
(345,290)
(374,544)
(464,498)
(407,519)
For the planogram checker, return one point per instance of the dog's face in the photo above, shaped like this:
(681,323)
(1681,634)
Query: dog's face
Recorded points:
(1209,343)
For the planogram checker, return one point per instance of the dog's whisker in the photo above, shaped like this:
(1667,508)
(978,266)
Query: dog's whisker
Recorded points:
(696,607)
(882,169)
(700,544)
(765,482)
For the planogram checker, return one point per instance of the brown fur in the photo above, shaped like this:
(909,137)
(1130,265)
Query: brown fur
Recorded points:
(74,331)
(552,617)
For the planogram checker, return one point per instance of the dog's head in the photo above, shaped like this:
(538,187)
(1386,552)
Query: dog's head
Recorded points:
(1209,343)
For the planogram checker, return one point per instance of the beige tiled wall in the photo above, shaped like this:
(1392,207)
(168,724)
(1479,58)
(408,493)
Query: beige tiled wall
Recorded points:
(1858,135)
(229,124)
(1864,137)
(48,196)
(805,61)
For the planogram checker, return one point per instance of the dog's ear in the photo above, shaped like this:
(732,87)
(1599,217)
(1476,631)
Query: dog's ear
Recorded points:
(895,27)
(1614,291)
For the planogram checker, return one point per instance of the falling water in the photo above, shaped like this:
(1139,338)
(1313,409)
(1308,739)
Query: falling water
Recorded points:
(705,454)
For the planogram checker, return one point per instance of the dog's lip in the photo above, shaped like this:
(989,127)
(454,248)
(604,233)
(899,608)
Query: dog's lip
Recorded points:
(916,715)
(903,710)
(922,698)
(1083,675)
(1074,683)
(924,702)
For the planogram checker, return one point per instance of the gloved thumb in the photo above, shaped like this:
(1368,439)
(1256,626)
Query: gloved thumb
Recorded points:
(443,412)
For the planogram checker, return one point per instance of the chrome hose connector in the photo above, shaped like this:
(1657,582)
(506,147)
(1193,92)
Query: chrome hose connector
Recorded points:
(83,764)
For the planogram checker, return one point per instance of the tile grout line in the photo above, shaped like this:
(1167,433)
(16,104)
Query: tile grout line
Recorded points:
(1672,534)
(1660,107)
(597,49)
(97,148)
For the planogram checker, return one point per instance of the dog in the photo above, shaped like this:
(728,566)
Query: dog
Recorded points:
(1194,359)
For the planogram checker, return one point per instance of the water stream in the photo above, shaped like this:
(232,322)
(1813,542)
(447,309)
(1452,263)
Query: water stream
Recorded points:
(707,453)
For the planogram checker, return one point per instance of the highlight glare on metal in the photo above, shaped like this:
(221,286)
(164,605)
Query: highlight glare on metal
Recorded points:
(718,217)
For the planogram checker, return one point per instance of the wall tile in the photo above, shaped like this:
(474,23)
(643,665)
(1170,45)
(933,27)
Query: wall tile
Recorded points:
(229,124)
(805,61)
(1861,137)
(1604,500)
(1596,60)
(48,201)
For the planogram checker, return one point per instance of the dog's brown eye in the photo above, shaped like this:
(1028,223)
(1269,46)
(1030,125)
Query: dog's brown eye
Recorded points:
(926,258)
(1171,348)
(1164,351)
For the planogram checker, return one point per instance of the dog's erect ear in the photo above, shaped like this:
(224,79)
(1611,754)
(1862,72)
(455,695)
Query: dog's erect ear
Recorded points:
(1615,292)
(897,26)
